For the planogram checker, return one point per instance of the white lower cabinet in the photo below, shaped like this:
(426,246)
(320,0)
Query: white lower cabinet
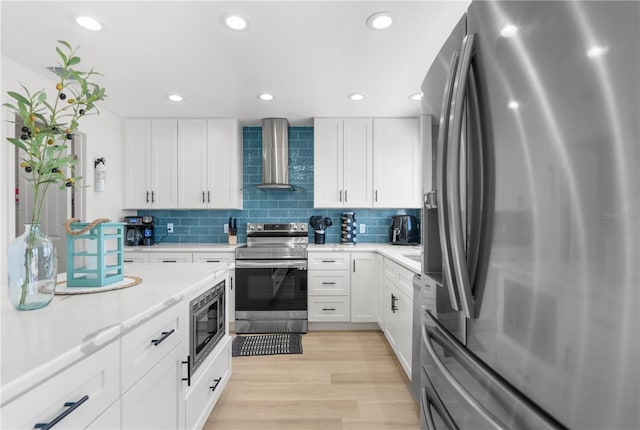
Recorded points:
(207,385)
(109,420)
(365,287)
(397,308)
(329,287)
(154,401)
(75,397)
(170,257)
(136,257)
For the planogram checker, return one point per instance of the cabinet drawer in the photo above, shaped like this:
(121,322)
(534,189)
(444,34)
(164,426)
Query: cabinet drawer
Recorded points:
(329,308)
(329,282)
(136,257)
(145,346)
(329,261)
(170,257)
(208,385)
(399,275)
(94,378)
(214,257)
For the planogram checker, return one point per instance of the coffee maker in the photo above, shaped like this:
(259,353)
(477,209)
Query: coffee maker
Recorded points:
(139,230)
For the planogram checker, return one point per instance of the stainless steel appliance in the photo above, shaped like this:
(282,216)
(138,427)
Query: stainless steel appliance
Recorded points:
(531,320)
(139,230)
(404,230)
(206,324)
(271,279)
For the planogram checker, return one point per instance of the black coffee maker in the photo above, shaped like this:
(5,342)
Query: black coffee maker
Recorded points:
(404,230)
(139,230)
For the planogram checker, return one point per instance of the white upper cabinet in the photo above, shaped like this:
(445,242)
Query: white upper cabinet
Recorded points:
(343,160)
(150,151)
(209,164)
(397,163)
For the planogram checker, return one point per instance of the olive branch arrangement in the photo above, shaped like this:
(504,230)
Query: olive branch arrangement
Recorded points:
(48,126)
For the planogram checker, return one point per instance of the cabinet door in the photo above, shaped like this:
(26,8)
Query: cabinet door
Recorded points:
(397,163)
(137,163)
(365,286)
(192,164)
(327,163)
(164,167)
(405,330)
(358,162)
(225,164)
(154,401)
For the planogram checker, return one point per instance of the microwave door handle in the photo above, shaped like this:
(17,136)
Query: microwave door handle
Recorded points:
(459,257)
(490,419)
(441,181)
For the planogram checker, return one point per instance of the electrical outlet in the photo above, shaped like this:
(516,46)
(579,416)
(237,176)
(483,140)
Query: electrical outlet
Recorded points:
(363,228)
(226,228)
(170,227)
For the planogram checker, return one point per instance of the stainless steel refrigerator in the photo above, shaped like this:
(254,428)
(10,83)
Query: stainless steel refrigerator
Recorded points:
(531,117)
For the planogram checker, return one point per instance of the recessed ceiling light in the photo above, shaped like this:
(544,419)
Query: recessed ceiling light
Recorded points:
(175,98)
(236,22)
(266,96)
(416,97)
(596,51)
(513,104)
(509,30)
(380,21)
(356,97)
(88,23)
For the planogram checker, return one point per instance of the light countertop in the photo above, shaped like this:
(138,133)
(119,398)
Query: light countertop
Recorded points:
(43,342)
(184,247)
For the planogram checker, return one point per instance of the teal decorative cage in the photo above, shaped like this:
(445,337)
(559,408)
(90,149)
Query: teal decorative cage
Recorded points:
(95,258)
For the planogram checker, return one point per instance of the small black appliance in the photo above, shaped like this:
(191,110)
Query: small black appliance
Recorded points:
(404,230)
(139,230)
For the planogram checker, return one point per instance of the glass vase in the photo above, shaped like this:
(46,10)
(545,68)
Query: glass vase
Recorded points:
(33,268)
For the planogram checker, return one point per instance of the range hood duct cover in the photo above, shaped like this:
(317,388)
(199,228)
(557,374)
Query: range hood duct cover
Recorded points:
(275,155)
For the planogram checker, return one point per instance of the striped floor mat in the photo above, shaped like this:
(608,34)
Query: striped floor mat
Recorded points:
(268,344)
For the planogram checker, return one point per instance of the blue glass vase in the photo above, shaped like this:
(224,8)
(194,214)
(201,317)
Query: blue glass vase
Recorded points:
(32,267)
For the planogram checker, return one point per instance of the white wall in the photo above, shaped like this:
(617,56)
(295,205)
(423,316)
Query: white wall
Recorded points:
(103,139)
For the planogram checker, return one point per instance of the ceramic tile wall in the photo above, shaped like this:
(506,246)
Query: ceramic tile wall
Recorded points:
(207,226)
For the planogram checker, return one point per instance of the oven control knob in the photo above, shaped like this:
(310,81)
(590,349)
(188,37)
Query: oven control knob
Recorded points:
(251,227)
(259,226)
(294,226)
(303,226)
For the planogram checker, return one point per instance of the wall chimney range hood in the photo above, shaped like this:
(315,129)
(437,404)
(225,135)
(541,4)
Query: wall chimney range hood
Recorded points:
(275,155)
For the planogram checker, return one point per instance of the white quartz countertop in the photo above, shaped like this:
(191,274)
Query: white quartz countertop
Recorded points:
(38,343)
(184,247)
(397,253)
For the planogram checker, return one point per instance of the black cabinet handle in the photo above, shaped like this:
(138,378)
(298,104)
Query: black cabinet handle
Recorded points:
(354,266)
(169,261)
(328,261)
(147,196)
(213,261)
(394,300)
(214,386)
(127,261)
(328,283)
(165,334)
(328,309)
(153,196)
(203,197)
(188,363)
(208,196)
(72,407)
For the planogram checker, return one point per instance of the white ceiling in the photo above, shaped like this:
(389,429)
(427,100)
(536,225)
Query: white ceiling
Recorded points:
(310,54)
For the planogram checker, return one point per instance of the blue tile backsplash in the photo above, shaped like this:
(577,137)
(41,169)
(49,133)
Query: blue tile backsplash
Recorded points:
(207,226)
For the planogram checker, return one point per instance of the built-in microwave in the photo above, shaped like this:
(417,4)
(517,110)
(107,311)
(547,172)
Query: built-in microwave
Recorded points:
(207,324)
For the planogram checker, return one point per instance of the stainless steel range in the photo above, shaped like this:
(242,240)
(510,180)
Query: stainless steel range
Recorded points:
(271,279)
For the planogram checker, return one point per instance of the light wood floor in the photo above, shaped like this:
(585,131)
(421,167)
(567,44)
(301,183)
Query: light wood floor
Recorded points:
(343,380)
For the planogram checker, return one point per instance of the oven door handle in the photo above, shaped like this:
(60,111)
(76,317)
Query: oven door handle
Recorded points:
(271,264)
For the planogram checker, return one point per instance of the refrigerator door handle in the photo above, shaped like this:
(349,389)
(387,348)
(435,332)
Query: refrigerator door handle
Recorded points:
(431,398)
(441,177)
(492,420)
(459,260)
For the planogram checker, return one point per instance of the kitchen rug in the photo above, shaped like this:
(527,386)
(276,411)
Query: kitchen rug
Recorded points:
(267,344)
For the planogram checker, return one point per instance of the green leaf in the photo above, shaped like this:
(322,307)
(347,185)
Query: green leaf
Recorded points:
(18,143)
(62,42)
(73,61)
(61,54)
(19,97)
